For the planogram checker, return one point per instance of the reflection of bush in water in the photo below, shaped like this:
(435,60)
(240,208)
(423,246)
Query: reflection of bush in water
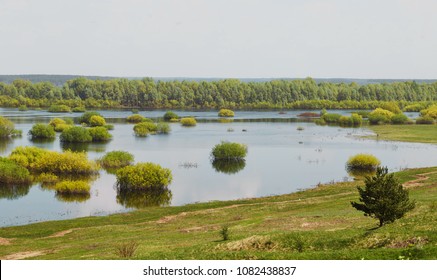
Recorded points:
(4,144)
(83,147)
(11,192)
(228,166)
(144,198)
(360,174)
(72,197)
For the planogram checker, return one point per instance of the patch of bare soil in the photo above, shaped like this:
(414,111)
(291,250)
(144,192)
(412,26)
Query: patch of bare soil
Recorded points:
(421,178)
(23,255)
(5,241)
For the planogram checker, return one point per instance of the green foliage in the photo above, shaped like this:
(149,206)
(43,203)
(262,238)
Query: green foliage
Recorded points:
(188,121)
(363,114)
(72,187)
(144,198)
(79,109)
(136,118)
(7,128)
(97,121)
(391,106)
(353,120)
(425,120)
(145,128)
(45,161)
(59,109)
(380,116)
(226,113)
(99,134)
(76,134)
(362,162)
(135,111)
(430,112)
(109,126)
(224,232)
(383,198)
(42,131)
(229,151)
(415,107)
(399,119)
(163,128)
(12,173)
(116,159)
(331,117)
(170,115)
(143,176)
(228,166)
(22,108)
(323,112)
(86,117)
(127,250)
(57,121)
(61,127)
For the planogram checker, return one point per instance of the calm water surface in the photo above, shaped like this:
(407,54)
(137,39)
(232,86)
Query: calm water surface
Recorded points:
(281,159)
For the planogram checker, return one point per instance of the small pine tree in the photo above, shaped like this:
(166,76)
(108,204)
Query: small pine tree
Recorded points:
(383,198)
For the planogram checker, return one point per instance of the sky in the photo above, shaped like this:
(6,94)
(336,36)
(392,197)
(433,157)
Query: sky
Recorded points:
(382,39)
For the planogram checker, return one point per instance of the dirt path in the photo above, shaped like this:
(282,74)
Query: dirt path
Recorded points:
(421,178)
(23,255)
(5,241)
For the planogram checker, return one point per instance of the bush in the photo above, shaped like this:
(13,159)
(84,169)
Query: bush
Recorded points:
(144,128)
(353,120)
(229,151)
(85,118)
(42,131)
(64,163)
(143,176)
(430,112)
(170,115)
(62,127)
(383,198)
(363,162)
(76,134)
(380,116)
(416,107)
(399,119)
(127,250)
(363,114)
(97,121)
(163,128)
(226,113)
(72,187)
(109,126)
(99,134)
(27,156)
(12,173)
(116,159)
(57,121)
(59,109)
(188,121)
(425,120)
(331,117)
(79,109)
(390,106)
(136,118)
(22,108)
(7,128)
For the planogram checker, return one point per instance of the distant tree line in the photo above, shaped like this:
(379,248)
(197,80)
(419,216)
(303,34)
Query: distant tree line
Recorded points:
(229,93)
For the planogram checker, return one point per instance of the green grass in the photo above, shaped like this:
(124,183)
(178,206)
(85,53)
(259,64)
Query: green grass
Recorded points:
(406,133)
(318,223)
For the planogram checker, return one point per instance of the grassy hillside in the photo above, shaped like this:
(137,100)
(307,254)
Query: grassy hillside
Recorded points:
(314,224)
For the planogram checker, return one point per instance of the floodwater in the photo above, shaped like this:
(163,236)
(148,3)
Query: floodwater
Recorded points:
(281,159)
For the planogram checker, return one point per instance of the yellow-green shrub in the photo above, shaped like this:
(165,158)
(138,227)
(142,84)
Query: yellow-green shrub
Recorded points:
(430,112)
(97,121)
(27,156)
(363,162)
(226,113)
(143,176)
(188,121)
(380,116)
(57,121)
(136,118)
(13,173)
(72,187)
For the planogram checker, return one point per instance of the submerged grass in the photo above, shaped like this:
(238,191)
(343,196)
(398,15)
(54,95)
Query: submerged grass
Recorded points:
(313,224)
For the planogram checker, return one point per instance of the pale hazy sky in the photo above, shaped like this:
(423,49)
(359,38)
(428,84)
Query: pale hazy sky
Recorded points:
(220,38)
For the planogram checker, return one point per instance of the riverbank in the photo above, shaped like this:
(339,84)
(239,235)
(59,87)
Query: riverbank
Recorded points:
(405,133)
(318,223)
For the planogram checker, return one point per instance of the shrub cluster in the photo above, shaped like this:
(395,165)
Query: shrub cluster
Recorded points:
(229,151)
(362,162)
(22,108)
(353,120)
(99,134)
(86,117)
(76,134)
(425,120)
(79,109)
(380,116)
(7,128)
(399,119)
(44,161)
(188,121)
(331,117)
(145,128)
(116,159)
(169,115)
(226,113)
(42,131)
(59,109)
(136,118)
(97,121)
(72,187)
(143,176)
(60,125)
(12,173)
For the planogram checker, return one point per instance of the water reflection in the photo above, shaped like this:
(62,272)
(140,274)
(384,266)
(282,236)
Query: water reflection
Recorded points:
(145,198)
(4,144)
(228,167)
(12,192)
(84,147)
(72,197)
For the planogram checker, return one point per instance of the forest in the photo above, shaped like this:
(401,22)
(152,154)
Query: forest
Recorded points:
(230,93)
